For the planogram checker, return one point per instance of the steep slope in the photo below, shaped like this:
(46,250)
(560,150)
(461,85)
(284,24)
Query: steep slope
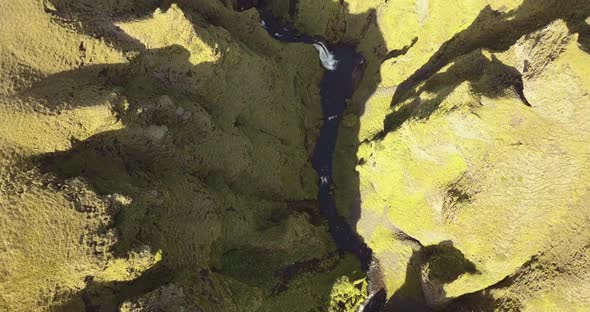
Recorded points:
(472,150)
(470,134)
(162,150)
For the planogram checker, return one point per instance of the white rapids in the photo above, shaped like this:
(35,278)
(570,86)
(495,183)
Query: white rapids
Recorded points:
(326,57)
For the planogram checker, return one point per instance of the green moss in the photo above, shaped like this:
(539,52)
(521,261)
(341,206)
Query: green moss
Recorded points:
(347,295)
(310,290)
(253,266)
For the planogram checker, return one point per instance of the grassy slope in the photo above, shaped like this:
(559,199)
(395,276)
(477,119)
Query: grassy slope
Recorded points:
(462,158)
(160,153)
(468,155)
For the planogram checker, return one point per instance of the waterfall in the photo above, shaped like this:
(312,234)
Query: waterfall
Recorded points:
(326,57)
(288,34)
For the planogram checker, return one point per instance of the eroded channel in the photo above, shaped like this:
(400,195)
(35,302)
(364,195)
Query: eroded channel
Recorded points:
(342,67)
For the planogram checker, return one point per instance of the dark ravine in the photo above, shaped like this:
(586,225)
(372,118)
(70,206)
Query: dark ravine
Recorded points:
(342,66)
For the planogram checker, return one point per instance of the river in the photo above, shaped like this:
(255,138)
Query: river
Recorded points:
(340,64)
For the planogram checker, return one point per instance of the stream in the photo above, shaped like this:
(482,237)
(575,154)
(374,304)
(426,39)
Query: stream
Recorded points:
(337,85)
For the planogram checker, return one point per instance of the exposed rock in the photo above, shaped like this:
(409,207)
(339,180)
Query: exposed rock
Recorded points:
(188,115)
(168,298)
(156,133)
(165,103)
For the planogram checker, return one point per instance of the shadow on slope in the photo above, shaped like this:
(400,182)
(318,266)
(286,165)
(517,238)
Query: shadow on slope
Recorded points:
(495,31)
(429,269)
(98,19)
(141,161)
(487,77)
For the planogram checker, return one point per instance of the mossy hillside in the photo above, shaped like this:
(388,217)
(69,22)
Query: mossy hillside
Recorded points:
(28,56)
(58,252)
(378,27)
(348,295)
(485,157)
(46,247)
(306,291)
(184,122)
(442,174)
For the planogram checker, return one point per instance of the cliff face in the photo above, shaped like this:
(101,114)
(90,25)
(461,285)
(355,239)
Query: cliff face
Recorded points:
(488,154)
(472,149)
(155,156)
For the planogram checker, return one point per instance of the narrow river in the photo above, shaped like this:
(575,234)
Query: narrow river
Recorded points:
(338,83)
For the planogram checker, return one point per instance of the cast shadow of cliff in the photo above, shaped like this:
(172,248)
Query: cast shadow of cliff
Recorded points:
(154,172)
(484,301)
(131,160)
(428,270)
(154,71)
(99,19)
(488,77)
(495,31)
